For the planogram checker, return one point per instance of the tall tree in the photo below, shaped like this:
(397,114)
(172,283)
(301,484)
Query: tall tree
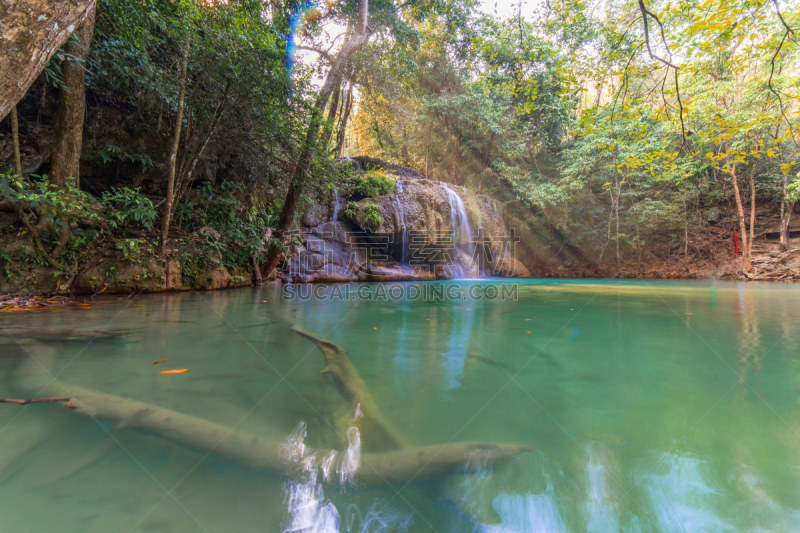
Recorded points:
(176,140)
(354,41)
(32,31)
(66,154)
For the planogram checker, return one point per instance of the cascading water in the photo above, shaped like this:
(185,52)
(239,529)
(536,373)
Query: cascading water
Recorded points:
(460,221)
(336,205)
(462,231)
(403,228)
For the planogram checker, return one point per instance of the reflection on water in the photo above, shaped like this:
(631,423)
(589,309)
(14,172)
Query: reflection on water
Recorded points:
(652,407)
(456,349)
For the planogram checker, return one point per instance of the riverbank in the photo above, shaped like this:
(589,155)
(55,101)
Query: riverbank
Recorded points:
(30,284)
(333,252)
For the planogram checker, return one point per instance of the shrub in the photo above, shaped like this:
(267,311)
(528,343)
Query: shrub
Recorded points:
(372,215)
(126,205)
(374,183)
(351,210)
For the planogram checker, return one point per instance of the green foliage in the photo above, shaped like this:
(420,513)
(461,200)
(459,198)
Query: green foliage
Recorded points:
(373,183)
(114,153)
(793,189)
(372,215)
(351,210)
(241,227)
(131,248)
(62,206)
(124,206)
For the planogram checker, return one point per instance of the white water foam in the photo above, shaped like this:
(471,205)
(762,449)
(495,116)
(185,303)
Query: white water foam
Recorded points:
(761,511)
(682,498)
(380,518)
(527,513)
(601,508)
(309,510)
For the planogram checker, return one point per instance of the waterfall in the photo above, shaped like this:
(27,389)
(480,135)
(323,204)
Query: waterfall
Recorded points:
(403,229)
(336,205)
(460,221)
(462,231)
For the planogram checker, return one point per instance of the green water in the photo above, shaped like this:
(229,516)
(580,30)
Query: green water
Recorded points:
(651,407)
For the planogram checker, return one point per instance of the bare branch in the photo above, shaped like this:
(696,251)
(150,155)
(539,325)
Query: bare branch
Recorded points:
(780,16)
(772,73)
(323,53)
(646,13)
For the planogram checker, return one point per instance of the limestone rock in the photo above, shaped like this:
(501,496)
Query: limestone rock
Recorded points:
(507,267)
(397,272)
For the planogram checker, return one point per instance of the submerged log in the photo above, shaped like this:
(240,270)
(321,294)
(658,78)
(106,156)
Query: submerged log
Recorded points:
(376,432)
(60,334)
(399,466)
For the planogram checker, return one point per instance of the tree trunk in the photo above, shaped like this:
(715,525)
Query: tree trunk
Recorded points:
(785,220)
(32,30)
(638,245)
(608,229)
(332,110)
(685,233)
(784,244)
(15,141)
(740,214)
(342,131)
(256,272)
(616,208)
(333,79)
(427,152)
(176,140)
(752,211)
(66,154)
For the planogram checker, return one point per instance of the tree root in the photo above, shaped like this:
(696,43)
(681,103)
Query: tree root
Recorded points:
(377,434)
(399,466)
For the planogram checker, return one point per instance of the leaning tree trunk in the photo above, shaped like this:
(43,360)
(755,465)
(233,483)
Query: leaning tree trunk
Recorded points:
(342,129)
(333,109)
(616,208)
(786,219)
(173,151)
(740,214)
(66,155)
(333,79)
(752,212)
(32,31)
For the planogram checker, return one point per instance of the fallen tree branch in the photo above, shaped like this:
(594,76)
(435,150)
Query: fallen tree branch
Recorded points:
(257,452)
(70,401)
(376,432)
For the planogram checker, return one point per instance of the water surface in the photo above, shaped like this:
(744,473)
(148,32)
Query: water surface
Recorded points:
(651,407)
